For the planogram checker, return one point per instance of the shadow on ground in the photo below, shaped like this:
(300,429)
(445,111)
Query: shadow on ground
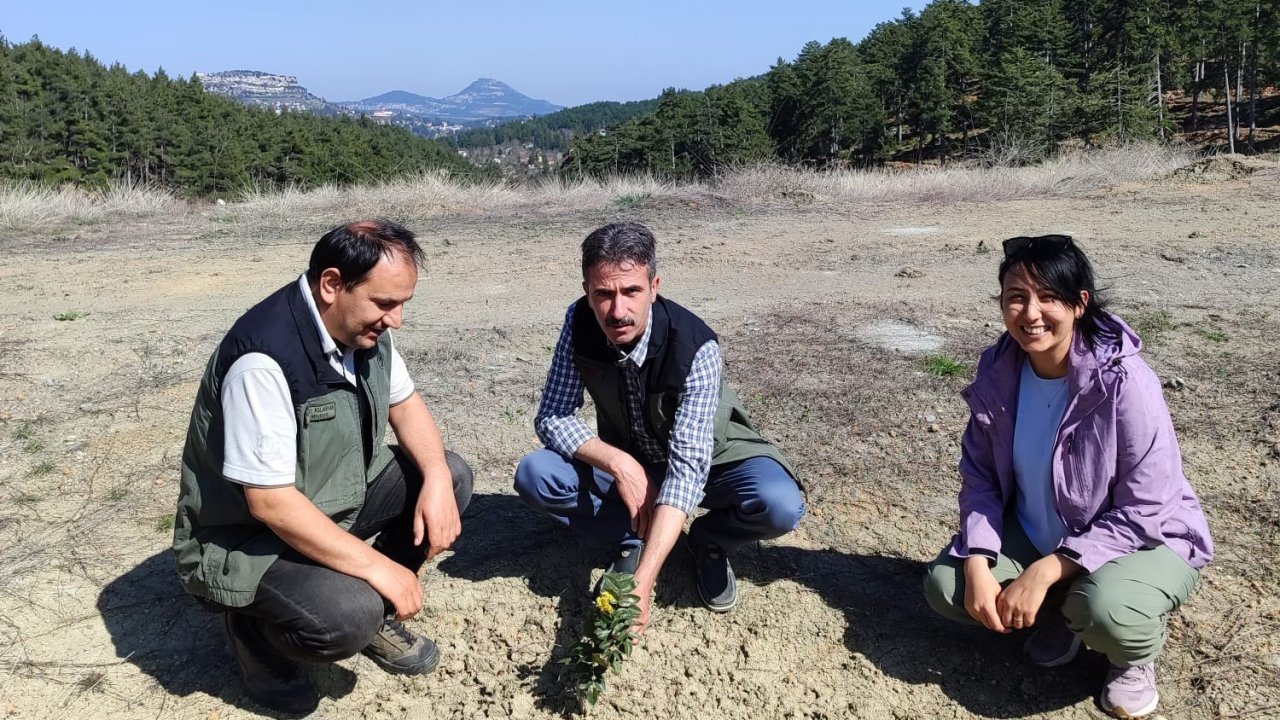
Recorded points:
(887,619)
(156,626)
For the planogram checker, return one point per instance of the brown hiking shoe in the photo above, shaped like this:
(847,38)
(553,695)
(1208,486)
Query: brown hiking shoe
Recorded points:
(270,680)
(399,650)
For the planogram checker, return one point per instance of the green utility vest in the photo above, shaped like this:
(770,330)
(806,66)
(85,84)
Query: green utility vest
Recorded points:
(674,340)
(222,551)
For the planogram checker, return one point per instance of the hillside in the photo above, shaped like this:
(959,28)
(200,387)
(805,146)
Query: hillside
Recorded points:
(260,89)
(67,119)
(1000,79)
(536,145)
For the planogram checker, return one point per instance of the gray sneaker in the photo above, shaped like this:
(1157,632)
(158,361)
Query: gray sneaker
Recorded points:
(1052,643)
(400,651)
(717,585)
(626,561)
(1130,692)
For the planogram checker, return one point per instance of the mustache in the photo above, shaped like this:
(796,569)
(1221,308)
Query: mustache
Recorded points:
(627,321)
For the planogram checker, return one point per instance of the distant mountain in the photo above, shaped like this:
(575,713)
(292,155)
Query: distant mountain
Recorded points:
(255,88)
(484,99)
(400,97)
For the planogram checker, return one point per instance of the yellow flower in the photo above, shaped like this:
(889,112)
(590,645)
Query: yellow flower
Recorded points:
(605,602)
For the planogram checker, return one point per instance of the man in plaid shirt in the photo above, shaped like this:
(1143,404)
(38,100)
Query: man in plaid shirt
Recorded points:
(671,436)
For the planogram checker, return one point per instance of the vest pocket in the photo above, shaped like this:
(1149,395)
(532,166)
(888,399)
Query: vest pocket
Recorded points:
(331,470)
(661,410)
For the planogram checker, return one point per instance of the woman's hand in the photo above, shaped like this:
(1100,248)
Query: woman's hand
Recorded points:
(1020,602)
(981,593)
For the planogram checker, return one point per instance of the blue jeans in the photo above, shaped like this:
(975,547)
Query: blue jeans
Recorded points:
(749,500)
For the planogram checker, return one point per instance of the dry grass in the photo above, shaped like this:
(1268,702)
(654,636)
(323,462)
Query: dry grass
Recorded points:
(432,194)
(435,193)
(28,205)
(1067,175)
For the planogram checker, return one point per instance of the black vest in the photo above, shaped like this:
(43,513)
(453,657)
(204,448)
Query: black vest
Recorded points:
(674,340)
(221,549)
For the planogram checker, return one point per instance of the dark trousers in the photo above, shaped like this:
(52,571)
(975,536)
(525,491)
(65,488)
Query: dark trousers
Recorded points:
(307,612)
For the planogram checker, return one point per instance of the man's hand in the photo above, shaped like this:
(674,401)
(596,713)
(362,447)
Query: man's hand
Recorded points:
(399,586)
(644,591)
(981,593)
(634,488)
(667,523)
(435,517)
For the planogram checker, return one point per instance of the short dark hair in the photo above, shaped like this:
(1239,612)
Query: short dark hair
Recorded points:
(355,248)
(1063,268)
(618,243)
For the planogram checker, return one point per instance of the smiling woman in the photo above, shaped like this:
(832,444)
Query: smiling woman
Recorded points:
(1075,517)
(1046,288)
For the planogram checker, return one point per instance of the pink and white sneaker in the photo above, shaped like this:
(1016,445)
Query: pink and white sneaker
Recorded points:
(1130,692)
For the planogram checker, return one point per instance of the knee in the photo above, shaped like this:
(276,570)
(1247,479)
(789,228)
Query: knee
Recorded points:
(782,508)
(536,478)
(943,590)
(1110,621)
(778,504)
(349,627)
(1093,609)
(463,479)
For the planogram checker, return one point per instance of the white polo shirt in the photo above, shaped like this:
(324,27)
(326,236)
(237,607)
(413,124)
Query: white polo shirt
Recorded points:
(260,428)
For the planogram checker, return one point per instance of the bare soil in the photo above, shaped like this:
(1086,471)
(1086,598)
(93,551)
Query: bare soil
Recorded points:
(825,333)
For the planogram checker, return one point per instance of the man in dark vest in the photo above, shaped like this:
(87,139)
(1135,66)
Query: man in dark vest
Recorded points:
(671,435)
(285,474)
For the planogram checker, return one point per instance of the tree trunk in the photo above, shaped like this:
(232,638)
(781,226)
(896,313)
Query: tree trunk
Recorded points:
(1253,78)
(1240,86)
(1119,101)
(899,122)
(1198,74)
(1159,97)
(1231,135)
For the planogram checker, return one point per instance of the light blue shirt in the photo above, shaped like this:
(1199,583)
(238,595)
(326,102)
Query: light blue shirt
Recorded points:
(1041,405)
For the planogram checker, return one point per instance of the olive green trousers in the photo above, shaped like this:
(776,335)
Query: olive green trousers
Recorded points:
(1120,610)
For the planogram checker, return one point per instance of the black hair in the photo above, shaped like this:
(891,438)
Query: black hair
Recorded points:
(1064,269)
(618,243)
(355,248)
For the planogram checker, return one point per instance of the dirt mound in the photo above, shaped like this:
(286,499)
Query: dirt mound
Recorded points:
(1215,170)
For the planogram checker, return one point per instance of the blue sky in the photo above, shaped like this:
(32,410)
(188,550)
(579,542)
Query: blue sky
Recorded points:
(569,52)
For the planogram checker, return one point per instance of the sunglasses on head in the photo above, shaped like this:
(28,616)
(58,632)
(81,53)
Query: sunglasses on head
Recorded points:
(1023,243)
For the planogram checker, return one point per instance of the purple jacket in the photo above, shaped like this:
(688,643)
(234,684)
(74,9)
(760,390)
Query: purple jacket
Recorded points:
(1117,470)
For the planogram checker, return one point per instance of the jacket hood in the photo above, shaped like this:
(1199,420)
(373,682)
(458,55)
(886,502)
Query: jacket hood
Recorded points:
(1114,339)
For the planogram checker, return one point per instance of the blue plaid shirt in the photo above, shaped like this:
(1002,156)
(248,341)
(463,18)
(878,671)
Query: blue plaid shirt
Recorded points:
(688,453)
